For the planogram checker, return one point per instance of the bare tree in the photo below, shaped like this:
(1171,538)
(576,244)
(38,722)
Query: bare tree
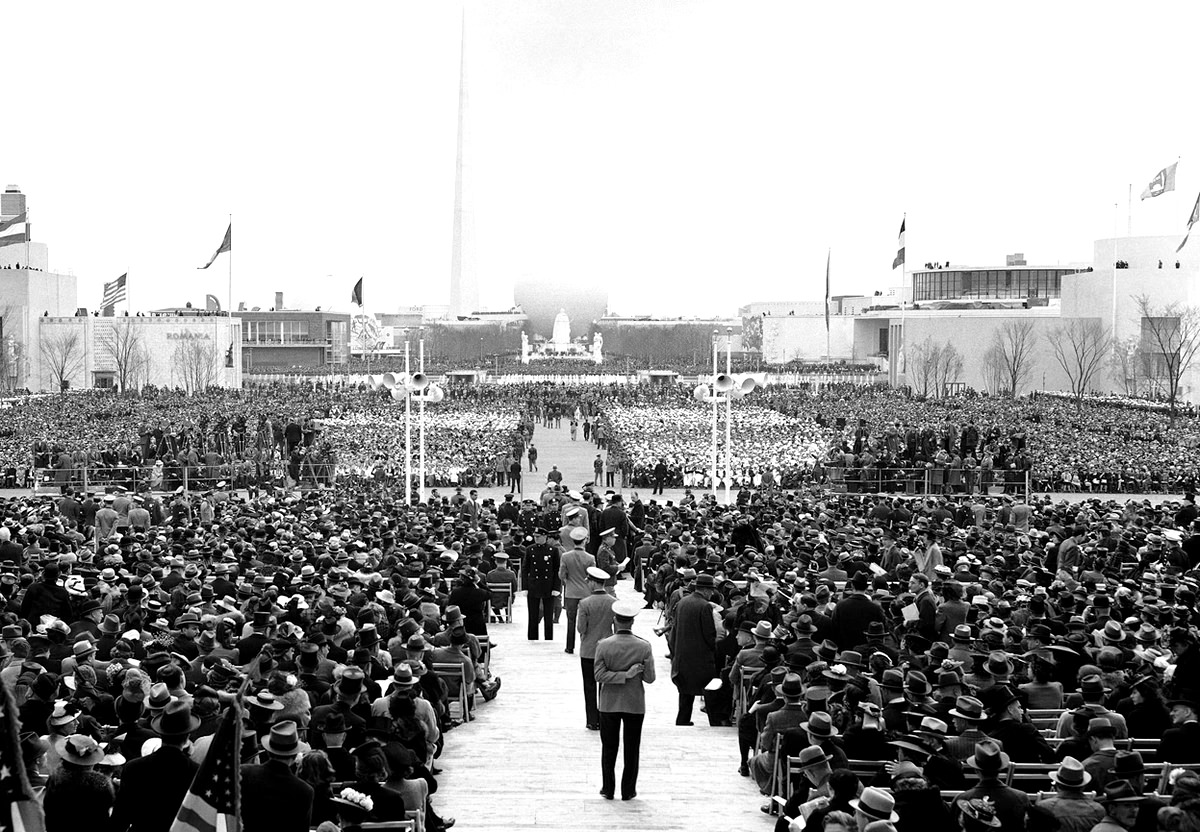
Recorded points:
(62,353)
(949,368)
(1127,366)
(923,366)
(1015,344)
(1170,339)
(122,344)
(1080,348)
(994,376)
(194,364)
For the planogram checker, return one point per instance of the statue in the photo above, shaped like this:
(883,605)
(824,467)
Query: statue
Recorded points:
(561,335)
(598,347)
(524,347)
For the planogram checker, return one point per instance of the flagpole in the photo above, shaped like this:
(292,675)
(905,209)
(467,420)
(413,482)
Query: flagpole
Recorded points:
(828,255)
(903,301)
(229,299)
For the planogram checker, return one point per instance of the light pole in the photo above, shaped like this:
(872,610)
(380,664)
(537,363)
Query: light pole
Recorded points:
(714,415)
(728,409)
(407,431)
(481,352)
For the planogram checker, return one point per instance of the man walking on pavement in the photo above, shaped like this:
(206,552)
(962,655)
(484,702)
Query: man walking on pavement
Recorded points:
(595,624)
(573,575)
(533,453)
(623,662)
(539,574)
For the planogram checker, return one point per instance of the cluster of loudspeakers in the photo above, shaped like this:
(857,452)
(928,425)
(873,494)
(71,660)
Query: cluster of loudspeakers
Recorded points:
(402,384)
(736,386)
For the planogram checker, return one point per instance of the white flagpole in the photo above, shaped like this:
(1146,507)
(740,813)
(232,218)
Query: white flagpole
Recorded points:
(407,431)
(229,299)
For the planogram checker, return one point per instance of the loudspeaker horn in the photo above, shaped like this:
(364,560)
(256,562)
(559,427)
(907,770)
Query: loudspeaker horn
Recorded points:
(398,394)
(724,383)
(389,380)
(745,384)
(418,382)
(700,392)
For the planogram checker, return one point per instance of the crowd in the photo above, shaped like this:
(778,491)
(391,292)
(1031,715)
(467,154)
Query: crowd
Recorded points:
(907,656)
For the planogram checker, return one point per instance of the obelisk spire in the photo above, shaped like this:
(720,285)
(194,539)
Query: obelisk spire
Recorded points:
(464,285)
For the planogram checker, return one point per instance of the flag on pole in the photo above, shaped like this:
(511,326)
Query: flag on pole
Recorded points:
(212,303)
(899,261)
(1192,220)
(828,254)
(214,800)
(1164,181)
(356,294)
(11,234)
(114,292)
(19,811)
(226,245)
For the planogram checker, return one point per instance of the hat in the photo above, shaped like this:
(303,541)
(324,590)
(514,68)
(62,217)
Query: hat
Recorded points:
(1092,685)
(876,804)
(1113,632)
(82,648)
(265,700)
(988,757)
(1070,774)
(351,683)
(597,574)
(997,698)
(176,720)
(892,680)
(792,686)
(283,741)
(962,633)
(1101,727)
(905,769)
(819,724)
(812,755)
(626,608)
(579,534)
(1120,791)
(61,716)
(762,629)
(705,581)
(914,743)
(981,810)
(968,708)
(998,664)
(916,683)
(79,749)
(335,723)
(403,676)
(1127,763)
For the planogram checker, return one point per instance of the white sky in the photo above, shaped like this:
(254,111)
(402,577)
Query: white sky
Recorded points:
(693,155)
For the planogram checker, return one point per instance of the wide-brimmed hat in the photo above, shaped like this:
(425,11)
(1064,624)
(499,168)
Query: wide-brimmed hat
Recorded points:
(1071,774)
(792,687)
(876,804)
(916,683)
(1113,632)
(762,629)
(60,715)
(997,698)
(1092,685)
(988,757)
(79,749)
(597,574)
(284,740)
(812,755)
(176,720)
(968,708)
(1127,764)
(1120,791)
(850,658)
(962,634)
(914,743)
(998,664)
(819,724)
(892,680)
(403,677)
(705,581)
(266,700)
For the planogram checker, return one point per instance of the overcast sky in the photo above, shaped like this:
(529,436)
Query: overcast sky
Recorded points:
(692,155)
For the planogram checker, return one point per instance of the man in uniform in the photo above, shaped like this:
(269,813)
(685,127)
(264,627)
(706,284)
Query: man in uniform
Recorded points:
(539,573)
(623,663)
(573,574)
(595,623)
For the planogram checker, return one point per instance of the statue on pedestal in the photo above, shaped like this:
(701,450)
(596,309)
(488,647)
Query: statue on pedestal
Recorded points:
(598,347)
(524,347)
(561,335)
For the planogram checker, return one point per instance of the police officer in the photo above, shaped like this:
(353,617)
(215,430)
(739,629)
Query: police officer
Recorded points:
(539,577)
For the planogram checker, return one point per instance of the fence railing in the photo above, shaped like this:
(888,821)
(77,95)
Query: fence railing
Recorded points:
(264,475)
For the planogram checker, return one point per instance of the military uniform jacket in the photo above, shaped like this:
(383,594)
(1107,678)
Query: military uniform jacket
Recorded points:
(539,571)
(615,655)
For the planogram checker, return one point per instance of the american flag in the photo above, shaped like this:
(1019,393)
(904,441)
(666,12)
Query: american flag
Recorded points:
(114,292)
(24,814)
(213,803)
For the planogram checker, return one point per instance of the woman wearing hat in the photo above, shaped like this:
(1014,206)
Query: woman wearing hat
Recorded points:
(77,797)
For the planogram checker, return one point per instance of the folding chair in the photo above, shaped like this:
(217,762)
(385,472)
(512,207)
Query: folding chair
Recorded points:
(455,674)
(1163,783)
(502,596)
(1147,747)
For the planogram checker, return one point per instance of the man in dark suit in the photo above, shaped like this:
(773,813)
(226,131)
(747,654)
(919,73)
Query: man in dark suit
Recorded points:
(854,613)
(693,642)
(153,787)
(1181,743)
(274,799)
(1021,741)
(540,577)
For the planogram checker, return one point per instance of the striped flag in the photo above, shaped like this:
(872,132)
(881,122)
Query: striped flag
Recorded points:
(828,254)
(214,800)
(20,812)
(226,245)
(10,233)
(114,292)
(1163,182)
(899,261)
(1192,220)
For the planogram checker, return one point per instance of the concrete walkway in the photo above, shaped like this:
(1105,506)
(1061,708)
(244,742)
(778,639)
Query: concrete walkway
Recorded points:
(528,761)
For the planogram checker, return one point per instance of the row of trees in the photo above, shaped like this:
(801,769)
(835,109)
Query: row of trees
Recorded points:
(1151,363)
(194,363)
